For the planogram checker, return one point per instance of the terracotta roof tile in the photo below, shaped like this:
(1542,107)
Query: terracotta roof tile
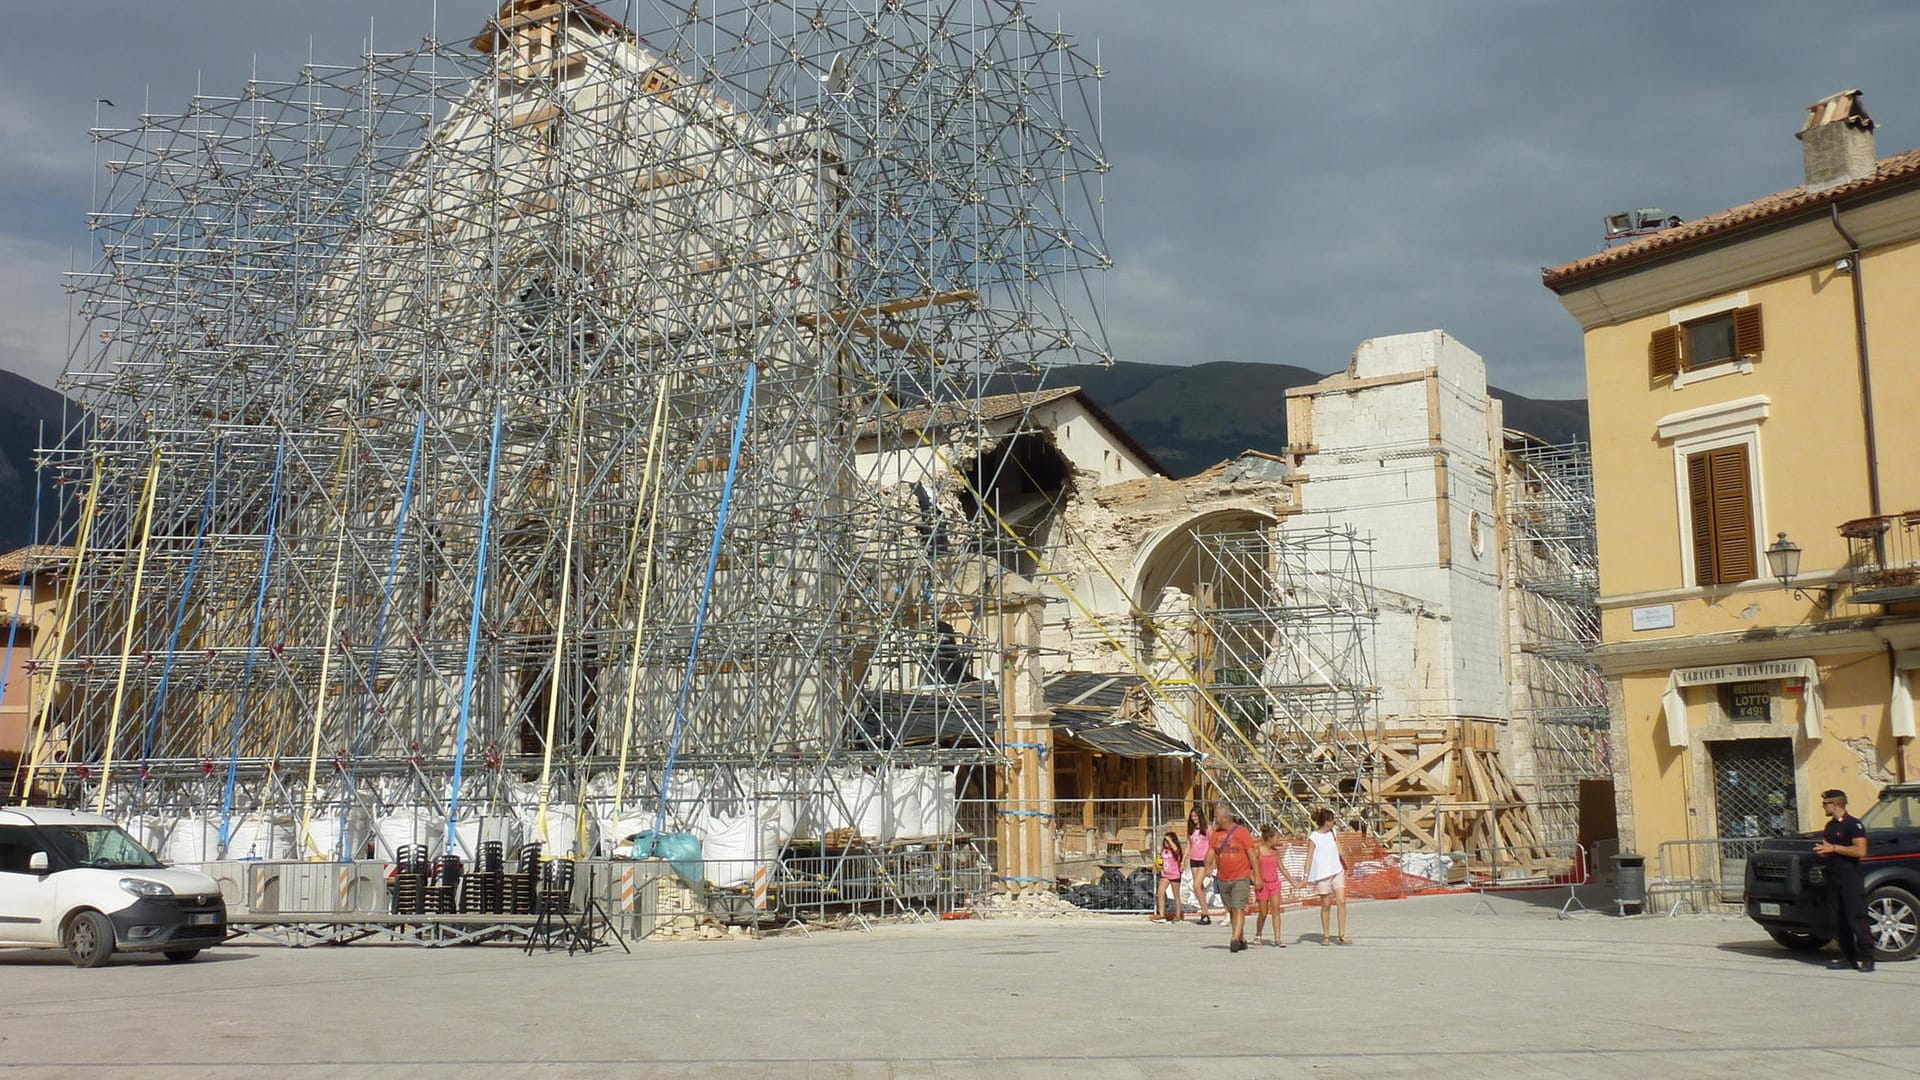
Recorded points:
(38,556)
(1892,171)
(987,409)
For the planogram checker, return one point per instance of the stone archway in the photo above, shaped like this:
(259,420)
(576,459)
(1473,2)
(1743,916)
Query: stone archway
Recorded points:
(1168,559)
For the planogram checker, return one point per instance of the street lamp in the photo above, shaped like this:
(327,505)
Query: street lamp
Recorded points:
(1783,562)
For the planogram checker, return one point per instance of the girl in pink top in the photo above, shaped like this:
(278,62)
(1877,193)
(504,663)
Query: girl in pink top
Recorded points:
(1267,898)
(1167,906)
(1197,845)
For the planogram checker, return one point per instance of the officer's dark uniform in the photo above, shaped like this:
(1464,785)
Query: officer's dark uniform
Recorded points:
(1846,897)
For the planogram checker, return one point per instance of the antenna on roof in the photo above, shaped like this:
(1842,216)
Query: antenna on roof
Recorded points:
(1628,224)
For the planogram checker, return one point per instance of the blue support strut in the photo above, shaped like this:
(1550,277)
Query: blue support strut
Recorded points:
(380,623)
(180,614)
(473,632)
(253,647)
(706,593)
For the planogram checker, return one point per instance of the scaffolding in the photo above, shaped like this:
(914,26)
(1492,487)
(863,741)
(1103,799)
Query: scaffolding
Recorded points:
(1560,705)
(1286,619)
(471,432)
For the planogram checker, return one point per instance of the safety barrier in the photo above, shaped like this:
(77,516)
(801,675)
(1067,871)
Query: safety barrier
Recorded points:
(1701,875)
(1546,866)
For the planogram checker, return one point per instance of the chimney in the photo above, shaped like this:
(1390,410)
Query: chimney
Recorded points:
(1837,141)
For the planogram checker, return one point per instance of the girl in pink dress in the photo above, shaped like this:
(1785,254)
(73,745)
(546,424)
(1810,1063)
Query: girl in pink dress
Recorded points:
(1267,897)
(1167,905)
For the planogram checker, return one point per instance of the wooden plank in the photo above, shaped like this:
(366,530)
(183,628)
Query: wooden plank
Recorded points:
(1416,772)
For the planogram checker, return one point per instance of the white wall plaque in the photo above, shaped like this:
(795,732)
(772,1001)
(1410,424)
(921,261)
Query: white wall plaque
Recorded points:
(1656,617)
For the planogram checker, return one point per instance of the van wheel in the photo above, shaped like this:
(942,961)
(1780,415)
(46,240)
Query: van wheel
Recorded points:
(180,956)
(1797,941)
(1893,917)
(89,939)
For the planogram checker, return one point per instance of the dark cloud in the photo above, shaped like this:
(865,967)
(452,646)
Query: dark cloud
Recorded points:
(1289,178)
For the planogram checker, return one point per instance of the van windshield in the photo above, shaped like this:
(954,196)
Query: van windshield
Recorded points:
(101,847)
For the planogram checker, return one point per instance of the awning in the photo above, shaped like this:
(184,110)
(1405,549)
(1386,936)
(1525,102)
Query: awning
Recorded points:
(1102,711)
(1900,702)
(1673,705)
(1127,740)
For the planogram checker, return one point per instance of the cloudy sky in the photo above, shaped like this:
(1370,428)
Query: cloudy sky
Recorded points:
(1289,177)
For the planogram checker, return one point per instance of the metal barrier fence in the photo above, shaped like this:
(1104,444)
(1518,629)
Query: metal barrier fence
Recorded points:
(1701,875)
(1546,867)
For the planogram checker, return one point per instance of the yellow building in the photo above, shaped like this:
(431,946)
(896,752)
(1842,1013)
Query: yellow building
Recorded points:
(1753,388)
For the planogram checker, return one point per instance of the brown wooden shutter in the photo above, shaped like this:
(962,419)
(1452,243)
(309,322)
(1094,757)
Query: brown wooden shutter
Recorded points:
(1732,514)
(1700,502)
(1663,352)
(1748,340)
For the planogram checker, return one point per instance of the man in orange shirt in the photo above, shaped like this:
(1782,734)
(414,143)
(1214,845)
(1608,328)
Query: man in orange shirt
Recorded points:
(1230,860)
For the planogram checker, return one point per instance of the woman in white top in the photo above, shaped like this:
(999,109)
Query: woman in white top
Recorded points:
(1327,875)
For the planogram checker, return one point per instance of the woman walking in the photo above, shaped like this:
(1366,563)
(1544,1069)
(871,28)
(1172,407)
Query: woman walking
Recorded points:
(1327,875)
(1197,845)
(1167,905)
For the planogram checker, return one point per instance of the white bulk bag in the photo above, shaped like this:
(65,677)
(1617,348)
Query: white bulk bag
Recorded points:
(905,804)
(192,840)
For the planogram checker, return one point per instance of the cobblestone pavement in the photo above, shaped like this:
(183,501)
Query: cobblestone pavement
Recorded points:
(1430,988)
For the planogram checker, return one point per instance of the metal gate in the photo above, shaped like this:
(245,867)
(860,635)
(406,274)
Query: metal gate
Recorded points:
(1753,791)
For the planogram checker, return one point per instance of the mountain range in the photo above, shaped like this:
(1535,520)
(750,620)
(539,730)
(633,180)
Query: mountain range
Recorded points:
(1188,417)
(1195,417)
(24,406)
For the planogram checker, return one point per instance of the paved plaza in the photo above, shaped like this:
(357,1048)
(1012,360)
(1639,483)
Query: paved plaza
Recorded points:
(1437,986)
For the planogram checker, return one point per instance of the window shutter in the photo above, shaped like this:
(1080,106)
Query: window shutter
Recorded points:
(1700,502)
(1748,340)
(1732,514)
(1663,352)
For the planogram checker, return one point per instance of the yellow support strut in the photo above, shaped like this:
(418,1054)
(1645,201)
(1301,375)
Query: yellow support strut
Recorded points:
(126,637)
(560,631)
(37,740)
(326,654)
(649,498)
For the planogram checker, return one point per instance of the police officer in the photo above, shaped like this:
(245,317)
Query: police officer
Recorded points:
(1841,847)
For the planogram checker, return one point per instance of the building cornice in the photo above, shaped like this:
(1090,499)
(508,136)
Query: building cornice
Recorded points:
(1740,412)
(1762,643)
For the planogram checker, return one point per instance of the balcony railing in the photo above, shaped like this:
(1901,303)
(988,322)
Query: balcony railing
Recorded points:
(1884,552)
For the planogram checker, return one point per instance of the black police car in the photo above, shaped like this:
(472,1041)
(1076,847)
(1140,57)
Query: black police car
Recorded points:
(1786,894)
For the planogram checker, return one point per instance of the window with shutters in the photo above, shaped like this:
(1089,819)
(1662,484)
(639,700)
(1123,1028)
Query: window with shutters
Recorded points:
(1726,337)
(1721,505)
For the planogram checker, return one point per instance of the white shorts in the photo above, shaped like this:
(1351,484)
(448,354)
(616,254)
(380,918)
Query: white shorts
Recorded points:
(1328,886)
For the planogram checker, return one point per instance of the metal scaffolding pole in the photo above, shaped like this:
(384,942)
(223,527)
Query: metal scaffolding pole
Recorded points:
(1286,619)
(1560,698)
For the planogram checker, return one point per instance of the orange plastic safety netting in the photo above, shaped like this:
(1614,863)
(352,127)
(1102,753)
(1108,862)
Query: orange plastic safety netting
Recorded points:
(1373,872)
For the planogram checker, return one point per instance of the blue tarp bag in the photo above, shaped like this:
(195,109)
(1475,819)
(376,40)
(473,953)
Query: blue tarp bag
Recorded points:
(681,850)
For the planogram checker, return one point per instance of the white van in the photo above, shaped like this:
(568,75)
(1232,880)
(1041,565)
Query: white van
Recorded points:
(79,882)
